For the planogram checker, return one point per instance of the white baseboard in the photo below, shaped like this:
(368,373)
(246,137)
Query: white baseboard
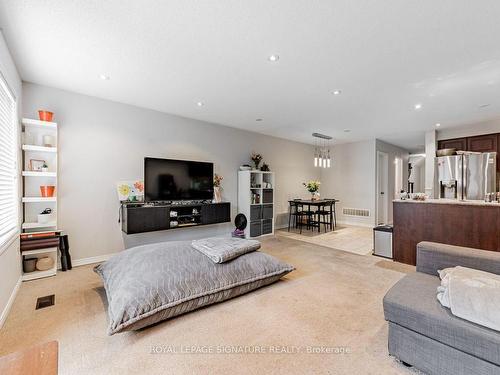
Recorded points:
(91,260)
(344,222)
(10,302)
(355,223)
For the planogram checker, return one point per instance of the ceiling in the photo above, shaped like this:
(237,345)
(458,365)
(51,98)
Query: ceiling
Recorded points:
(169,55)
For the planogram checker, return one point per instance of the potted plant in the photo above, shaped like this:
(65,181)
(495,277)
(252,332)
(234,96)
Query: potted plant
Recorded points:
(45,167)
(313,188)
(217,188)
(256,158)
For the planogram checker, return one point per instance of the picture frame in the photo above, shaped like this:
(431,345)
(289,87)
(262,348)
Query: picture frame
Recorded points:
(130,191)
(36,165)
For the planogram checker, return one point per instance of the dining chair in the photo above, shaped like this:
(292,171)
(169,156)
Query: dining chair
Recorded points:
(326,215)
(293,213)
(309,216)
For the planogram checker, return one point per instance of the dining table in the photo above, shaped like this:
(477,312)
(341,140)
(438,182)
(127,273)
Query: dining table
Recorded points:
(320,205)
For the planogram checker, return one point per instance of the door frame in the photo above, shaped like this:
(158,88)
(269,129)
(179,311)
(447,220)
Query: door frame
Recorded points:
(382,187)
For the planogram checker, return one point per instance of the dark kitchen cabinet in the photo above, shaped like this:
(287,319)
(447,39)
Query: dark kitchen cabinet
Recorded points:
(483,143)
(480,143)
(458,143)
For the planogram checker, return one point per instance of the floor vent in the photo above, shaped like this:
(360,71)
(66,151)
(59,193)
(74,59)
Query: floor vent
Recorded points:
(46,301)
(356,212)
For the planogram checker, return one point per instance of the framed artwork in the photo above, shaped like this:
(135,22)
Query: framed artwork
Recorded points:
(36,165)
(130,191)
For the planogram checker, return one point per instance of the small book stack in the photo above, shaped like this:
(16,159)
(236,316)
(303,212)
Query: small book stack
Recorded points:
(39,240)
(238,233)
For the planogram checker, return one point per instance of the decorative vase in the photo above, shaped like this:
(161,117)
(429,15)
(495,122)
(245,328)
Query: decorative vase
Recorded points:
(47,191)
(314,196)
(45,115)
(217,194)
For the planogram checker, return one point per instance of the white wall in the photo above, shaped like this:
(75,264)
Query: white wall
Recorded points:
(430,155)
(393,152)
(102,142)
(10,263)
(480,128)
(418,173)
(351,179)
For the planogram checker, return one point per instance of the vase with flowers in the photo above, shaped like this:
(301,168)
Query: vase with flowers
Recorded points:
(256,158)
(313,188)
(217,188)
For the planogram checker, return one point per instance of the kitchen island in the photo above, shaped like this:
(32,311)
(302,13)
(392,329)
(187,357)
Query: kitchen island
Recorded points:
(473,224)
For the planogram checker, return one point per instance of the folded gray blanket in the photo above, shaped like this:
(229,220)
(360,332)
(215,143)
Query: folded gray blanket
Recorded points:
(222,249)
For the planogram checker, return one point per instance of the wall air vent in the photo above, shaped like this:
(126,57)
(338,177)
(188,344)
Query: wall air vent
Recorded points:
(355,212)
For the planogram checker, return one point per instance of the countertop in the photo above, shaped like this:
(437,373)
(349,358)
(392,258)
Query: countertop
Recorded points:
(449,201)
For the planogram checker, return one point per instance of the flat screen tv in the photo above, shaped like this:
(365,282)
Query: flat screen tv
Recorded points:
(170,180)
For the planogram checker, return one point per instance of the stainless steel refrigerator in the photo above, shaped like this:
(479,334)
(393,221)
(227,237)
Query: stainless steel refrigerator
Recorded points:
(466,177)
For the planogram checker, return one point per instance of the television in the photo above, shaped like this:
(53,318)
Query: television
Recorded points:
(170,180)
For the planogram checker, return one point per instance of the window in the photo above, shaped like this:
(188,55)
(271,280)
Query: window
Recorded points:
(8,165)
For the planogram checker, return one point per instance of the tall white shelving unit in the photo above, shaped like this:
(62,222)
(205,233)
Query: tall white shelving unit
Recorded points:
(256,201)
(33,148)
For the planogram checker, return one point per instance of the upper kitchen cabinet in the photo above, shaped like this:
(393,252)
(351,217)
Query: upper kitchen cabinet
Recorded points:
(483,143)
(458,143)
(480,143)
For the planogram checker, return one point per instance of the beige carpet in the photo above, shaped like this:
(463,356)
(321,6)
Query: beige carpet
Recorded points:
(333,300)
(357,240)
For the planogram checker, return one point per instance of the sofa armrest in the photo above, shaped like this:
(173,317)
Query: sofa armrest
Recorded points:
(432,256)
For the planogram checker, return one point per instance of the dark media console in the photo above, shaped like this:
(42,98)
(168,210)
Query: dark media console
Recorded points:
(149,217)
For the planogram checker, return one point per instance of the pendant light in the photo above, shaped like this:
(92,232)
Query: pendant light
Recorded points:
(322,158)
(316,156)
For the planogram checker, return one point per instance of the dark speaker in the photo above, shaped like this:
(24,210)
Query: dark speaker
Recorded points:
(65,256)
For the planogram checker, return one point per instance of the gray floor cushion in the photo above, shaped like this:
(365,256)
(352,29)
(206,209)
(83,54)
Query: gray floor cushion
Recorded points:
(150,283)
(412,304)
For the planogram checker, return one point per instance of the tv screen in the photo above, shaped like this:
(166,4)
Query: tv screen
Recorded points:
(168,180)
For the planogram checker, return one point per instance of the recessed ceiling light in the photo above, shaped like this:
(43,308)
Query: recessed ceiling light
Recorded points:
(418,106)
(200,104)
(104,77)
(273,58)
(258,119)
(347,130)
(438,125)
(336,92)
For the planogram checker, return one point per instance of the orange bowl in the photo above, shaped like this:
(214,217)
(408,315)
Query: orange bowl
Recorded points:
(45,115)
(47,191)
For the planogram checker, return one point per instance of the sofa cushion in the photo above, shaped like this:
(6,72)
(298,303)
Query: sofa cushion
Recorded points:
(412,303)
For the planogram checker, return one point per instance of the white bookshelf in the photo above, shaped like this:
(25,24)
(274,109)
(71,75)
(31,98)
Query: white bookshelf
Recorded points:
(39,148)
(48,252)
(39,199)
(38,124)
(35,225)
(35,148)
(256,200)
(39,174)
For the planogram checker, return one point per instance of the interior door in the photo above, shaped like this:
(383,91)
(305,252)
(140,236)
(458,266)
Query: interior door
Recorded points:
(382,187)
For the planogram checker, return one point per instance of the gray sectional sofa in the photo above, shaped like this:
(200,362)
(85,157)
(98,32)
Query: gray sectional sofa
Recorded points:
(426,335)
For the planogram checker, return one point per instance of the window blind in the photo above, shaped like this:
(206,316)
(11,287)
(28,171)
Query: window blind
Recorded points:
(8,164)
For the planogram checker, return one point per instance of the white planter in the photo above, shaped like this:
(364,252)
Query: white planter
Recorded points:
(44,219)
